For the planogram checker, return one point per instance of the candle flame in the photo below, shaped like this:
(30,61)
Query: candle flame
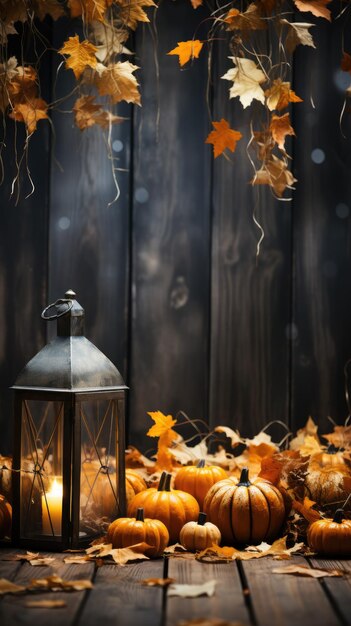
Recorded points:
(56,488)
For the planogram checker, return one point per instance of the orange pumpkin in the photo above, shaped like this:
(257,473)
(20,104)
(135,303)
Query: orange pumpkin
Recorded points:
(173,507)
(245,512)
(5,518)
(331,537)
(98,488)
(332,457)
(198,479)
(127,531)
(199,535)
(134,484)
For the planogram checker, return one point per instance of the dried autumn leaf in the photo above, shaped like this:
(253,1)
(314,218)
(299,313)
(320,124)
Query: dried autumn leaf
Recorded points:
(306,509)
(298,34)
(176,547)
(56,583)
(6,586)
(131,12)
(247,21)
(278,550)
(110,40)
(13,11)
(341,437)
(271,469)
(279,95)
(121,556)
(309,430)
(264,144)
(316,7)
(90,10)
(88,113)
(78,559)
(118,82)
(30,113)
(234,436)
(81,55)
(163,423)
(280,127)
(247,79)
(303,570)
(187,50)
(192,591)
(23,85)
(276,174)
(54,8)
(45,604)
(157,582)
(163,429)
(46,560)
(7,29)
(223,137)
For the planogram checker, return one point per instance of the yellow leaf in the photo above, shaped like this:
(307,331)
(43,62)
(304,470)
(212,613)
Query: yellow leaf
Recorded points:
(118,82)
(81,55)
(280,127)
(223,137)
(30,113)
(163,423)
(279,95)
(187,50)
(90,10)
(131,12)
(88,113)
(316,7)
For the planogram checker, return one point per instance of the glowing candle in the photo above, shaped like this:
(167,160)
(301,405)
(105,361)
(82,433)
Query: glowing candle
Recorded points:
(52,500)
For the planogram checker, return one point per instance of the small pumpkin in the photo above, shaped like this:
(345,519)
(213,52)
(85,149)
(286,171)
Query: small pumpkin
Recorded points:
(5,518)
(134,484)
(199,535)
(198,479)
(173,507)
(326,485)
(127,531)
(245,512)
(331,537)
(98,488)
(331,457)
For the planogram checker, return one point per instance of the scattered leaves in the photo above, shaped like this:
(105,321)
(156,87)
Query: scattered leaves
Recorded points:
(88,113)
(56,583)
(187,50)
(278,550)
(6,586)
(223,137)
(303,570)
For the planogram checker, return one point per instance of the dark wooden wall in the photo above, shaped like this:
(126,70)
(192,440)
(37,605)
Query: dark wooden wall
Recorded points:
(173,291)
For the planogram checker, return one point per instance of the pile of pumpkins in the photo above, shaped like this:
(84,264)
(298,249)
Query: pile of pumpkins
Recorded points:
(238,512)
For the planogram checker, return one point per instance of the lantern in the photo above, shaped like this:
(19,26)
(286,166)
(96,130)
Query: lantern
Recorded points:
(69,439)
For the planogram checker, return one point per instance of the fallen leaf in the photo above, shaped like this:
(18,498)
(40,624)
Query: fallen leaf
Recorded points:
(247,79)
(280,127)
(6,586)
(131,12)
(279,95)
(277,550)
(302,570)
(81,55)
(30,113)
(48,560)
(118,82)
(79,559)
(223,137)
(234,436)
(134,458)
(192,591)
(45,604)
(56,583)
(341,437)
(187,50)
(157,582)
(163,423)
(306,509)
(177,547)
(298,34)
(316,7)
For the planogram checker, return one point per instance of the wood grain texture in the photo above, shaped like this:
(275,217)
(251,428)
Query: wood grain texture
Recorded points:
(119,597)
(171,214)
(227,603)
(322,253)
(286,600)
(88,238)
(340,588)
(250,303)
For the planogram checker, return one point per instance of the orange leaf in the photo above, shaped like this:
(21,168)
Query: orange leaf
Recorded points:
(91,10)
(30,113)
(245,22)
(81,55)
(279,95)
(223,137)
(306,509)
(118,82)
(187,50)
(271,469)
(280,127)
(341,437)
(163,423)
(316,7)
(196,3)
(131,12)
(88,113)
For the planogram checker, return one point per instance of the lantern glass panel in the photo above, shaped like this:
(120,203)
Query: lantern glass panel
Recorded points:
(99,465)
(41,468)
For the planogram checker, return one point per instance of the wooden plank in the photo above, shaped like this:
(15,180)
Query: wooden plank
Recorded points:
(88,239)
(119,597)
(171,229)
(13,609)
(322,298)
(338,589)
(226,604)
(250,303)
(286,600)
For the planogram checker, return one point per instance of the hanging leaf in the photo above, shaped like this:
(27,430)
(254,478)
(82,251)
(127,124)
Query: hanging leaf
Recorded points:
(223,137)
(90,10)
(280,127)
(276,174)
(118,82)
(298,34)
(246,22)
(279,95)
(247,79)
(54,8)
(88,113)
(187,50)
(30,113)
(316,7)
(131,12)
(81,55)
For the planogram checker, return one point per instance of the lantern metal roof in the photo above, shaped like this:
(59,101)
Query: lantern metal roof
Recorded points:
(70,362)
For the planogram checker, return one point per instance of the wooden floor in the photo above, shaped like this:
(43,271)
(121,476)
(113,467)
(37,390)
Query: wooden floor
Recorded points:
(247,593)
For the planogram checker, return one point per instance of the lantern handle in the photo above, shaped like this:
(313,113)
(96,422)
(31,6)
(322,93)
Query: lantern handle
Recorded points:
(49,318)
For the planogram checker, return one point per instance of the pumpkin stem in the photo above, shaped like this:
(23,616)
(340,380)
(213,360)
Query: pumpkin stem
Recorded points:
(202,519)
(338,516)
(165,482)
(201,463)
(140,515)
(244,478)
(331,449)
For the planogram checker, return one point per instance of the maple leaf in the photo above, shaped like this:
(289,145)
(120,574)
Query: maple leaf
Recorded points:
(306,509)
(118,82)
(280,127)
(30,113)
(23,85)
(131,12)
(223,137)
(13,11)
(274,173)
(316,7)
(90,10)
(163,429)
(187,50)
(279,95)
(309,430)
(81,55)
(341,437)
(88,113)
(247,79)
(42,8)
(245,22)
(110,40)
(298,34)
(163,423)
(303,570)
